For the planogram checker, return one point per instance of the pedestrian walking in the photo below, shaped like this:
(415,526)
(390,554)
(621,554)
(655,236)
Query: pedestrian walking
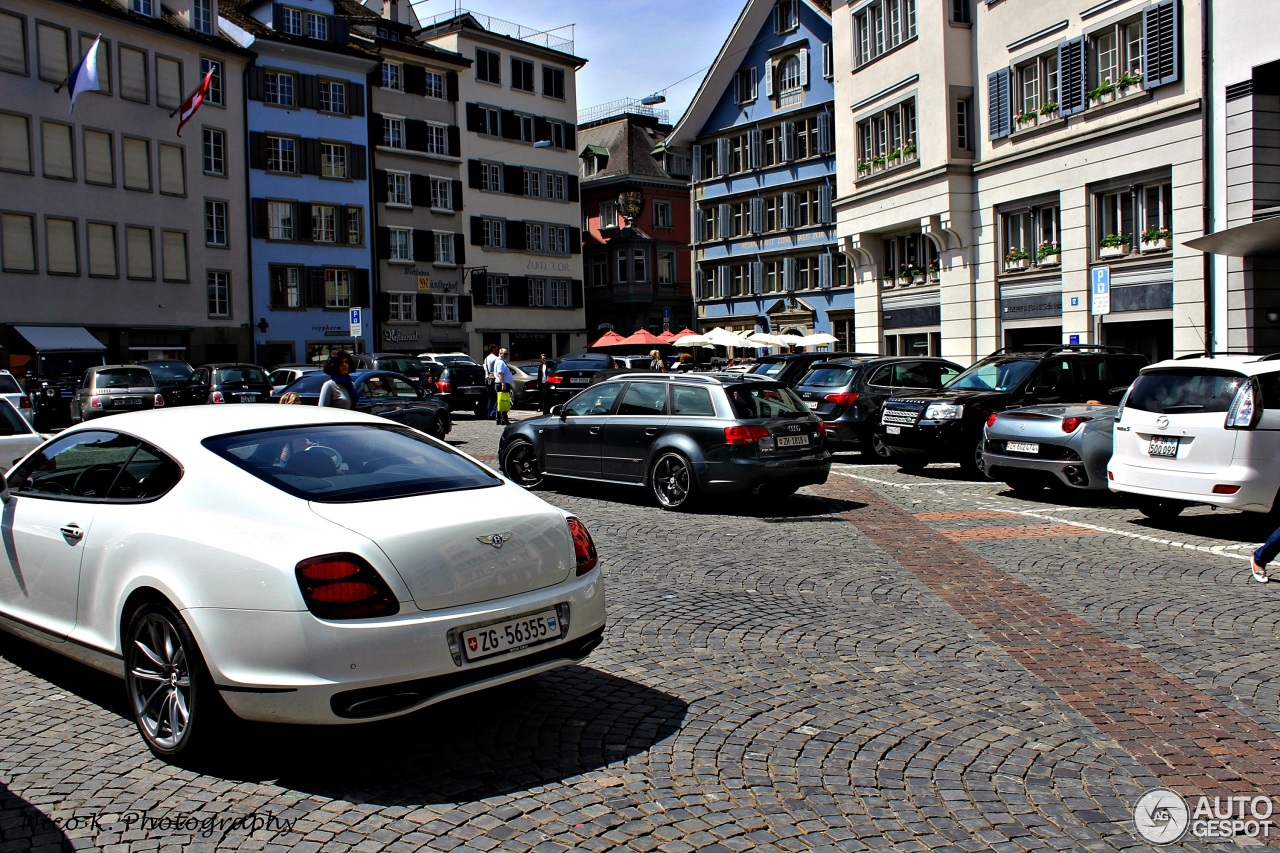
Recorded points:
(339,391)
(1265,554)
(544,390)
(490,390)
(656,362)
(504,383)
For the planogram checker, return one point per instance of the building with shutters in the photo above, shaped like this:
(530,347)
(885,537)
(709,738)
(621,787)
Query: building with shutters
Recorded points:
(635,211)
(763,140)
(308,176)
(419,228)
(110,221)
(978,210)
(522,276)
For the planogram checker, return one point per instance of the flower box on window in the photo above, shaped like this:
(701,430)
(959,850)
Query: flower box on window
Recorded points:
(1155,245)
(1016,259)
(1048,111)
(1026,120)
(1103,92)
(905,275)
(935,271)
(1130,82)
(864,168)
(917,276)
(909,152)
(877,163)
(886,280)
(1156,239)
(1048,254)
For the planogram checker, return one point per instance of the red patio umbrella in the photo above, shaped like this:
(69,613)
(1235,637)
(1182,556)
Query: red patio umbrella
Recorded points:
(667,337)
(641,336)
(608,339)
(680,334)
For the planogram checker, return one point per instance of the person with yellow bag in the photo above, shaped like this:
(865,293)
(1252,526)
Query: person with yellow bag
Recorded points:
(504,385)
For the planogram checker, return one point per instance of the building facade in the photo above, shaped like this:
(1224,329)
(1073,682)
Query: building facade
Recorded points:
(983,211)
(110,221)
(308,177)
(636,227)
(523,247)
(762,138)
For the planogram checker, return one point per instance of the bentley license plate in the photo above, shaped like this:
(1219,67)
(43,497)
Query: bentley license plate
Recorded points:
(1022,447)
(1163,446)
(511,634)
(792,440)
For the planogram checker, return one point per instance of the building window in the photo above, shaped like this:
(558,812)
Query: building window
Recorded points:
(662,214)
(333,160)
(337,288)
(964,124)
(746,85)
(537,292)
(558,239)
(102,249)
(444,308)
(218,289)
(137,164)
(608,214)
(13,43)
(202,17)
(533,236)
(173,169)
(435,85)
(1125,215)
(620,264)
(881,26)
(888,138)
(393,76)
(333,97)
(437,139)
(443,248)
(291,21)
(398,189)
(61,256)
(597,272)
(393,132)
(639,264)
(280,220)
(281,155)
(15,144)
(488,121)
(786,16)
(521,74)
(99,162)
(215,95)
(143,7)
(441,194)
(1028,232)
(553,82)
(59,160)
(401,244)
(533,180)
(355,225)
(173,255)
(286,287)
(1118,52)
(402,307)
(491,177)
(215,223)
(524,127)
(906,258)
(318,27)
(488,66)
(677,165)
(18,243)
(557,187)
(491,233)
(214,143)
(278,88)
(324,223)
(789,80)
(497,289)
(1037,83)
(666,266)
(961,11)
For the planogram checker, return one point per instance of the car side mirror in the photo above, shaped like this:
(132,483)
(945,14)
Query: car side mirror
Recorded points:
(558,411)
(4,489)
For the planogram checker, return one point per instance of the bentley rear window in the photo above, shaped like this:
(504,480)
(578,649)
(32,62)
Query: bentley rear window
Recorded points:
(336,463)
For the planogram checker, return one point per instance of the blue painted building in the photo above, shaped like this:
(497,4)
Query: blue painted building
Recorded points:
(308,176)
(762,138)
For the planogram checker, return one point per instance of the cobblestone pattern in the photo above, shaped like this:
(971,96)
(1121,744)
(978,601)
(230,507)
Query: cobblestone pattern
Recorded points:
(773,678)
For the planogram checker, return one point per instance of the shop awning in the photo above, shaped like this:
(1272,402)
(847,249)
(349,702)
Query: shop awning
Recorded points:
(1242,241)
(60,338)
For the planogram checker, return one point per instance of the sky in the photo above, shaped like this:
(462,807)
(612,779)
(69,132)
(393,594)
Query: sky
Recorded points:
(633,48)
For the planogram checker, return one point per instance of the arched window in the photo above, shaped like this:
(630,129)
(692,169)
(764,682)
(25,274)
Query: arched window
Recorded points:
(790,73)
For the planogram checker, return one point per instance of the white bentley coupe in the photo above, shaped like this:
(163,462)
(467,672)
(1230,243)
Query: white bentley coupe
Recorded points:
(287,564)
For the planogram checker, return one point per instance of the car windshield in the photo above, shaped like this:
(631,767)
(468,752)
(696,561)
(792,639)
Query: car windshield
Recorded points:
(770,401)
(125,377)
(768,368)
(996,374)
(1168,392)
(829,376)
(243,374)
(9,385)
(171,371)
(339,463)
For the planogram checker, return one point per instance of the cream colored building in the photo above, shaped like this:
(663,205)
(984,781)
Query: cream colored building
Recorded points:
(978,208)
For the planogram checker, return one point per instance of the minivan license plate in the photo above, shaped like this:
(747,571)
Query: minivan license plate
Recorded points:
(1163,446)
(511,634)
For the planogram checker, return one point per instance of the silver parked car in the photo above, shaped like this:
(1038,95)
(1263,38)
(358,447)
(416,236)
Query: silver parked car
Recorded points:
(114,388)
(1039,446)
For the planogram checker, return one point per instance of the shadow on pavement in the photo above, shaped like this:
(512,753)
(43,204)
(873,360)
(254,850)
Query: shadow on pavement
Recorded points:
(747,504)
(105,691)
(540,731)
(25,827)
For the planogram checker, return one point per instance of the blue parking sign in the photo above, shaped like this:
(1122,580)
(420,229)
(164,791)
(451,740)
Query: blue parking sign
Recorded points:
(1100,289)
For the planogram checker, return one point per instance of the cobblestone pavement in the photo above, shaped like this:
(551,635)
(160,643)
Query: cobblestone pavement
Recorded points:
(891,661)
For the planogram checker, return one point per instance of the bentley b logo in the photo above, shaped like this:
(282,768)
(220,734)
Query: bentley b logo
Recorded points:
(494,539)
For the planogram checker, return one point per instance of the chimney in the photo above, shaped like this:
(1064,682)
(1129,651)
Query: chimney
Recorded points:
(391,10)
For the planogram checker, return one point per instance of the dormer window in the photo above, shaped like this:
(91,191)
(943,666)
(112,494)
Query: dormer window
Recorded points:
(594,160)
(318,27)
(202,17)
(143,7)
(786,77)
(290,21)
(786,16)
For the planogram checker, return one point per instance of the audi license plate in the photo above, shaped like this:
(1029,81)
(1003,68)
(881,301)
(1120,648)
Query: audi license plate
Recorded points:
(812,404)
(1022,447)
(792,440)
(512,634)
(1163,446)
(893,430)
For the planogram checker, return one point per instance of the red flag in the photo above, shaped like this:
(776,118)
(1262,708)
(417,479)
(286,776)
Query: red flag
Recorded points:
(194,100)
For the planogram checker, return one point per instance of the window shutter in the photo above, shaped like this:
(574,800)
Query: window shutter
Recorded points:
(804,66)
(277,17)
(788,273)
(451,85)
(824,132)
(455,194)
(415,80)
(697,224)
(474,122)
(757,277)
(341,30)
(570,136)
(768,78)
(697,163)
(459,249)
(755,215)
(723,220)
(722,156)
(257,150)
(308,91)
(699,284)
(464,308)
(315,287)
(382,306)
(515,236)
(575,241)
(420,190)
(518,290)
(355,100)
(360,289)
(424,245)
(788,140)
(358,165)
(254,79)
(512,179)
(1073,93)
(479,288)
(578,297)
(473,174)
(573,187)
(380,185)
(824,269)
(415,134)
(999,111)
(382,240)
(425,304)
(453,136)
(302,231)
(1160,34)
(309,156)
(788,210)
(722,281)
(510,129)
(824,203)
(754,148)
(477,231)
(261,225)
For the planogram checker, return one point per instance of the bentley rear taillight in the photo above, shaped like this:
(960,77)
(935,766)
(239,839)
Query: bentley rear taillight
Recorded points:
(584,549)
(344,586)
(991,419)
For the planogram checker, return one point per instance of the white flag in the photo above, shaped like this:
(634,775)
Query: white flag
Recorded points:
(84,77)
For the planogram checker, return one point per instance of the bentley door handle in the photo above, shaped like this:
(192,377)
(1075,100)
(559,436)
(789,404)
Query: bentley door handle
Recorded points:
(72,531)
(650,431)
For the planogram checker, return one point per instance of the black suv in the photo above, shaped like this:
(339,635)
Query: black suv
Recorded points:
(573,373)
(395,362)
(848,393)
(791,367)
(461,386)
(945,425)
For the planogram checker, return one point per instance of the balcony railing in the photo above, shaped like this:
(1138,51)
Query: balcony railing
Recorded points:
(543,38)
(622,107)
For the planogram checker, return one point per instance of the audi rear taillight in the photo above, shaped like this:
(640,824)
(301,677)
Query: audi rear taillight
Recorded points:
(584,549)
(841,399)
(991,419)
(344,586)
(1073,423)
(822,427)
(744,434)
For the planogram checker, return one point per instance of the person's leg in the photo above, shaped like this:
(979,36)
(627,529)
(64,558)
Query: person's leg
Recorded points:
(1265,555)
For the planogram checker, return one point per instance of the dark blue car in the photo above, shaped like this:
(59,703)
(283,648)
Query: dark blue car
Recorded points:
(386,394)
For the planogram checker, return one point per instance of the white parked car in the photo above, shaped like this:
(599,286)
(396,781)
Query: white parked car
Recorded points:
(17,436)
(1203,430)
(287,563)
(11,389)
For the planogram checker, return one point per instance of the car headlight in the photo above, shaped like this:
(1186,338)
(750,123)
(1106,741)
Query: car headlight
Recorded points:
(944,412)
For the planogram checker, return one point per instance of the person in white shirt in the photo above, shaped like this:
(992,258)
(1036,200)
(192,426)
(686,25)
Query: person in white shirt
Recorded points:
(489,381)
(504,380)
